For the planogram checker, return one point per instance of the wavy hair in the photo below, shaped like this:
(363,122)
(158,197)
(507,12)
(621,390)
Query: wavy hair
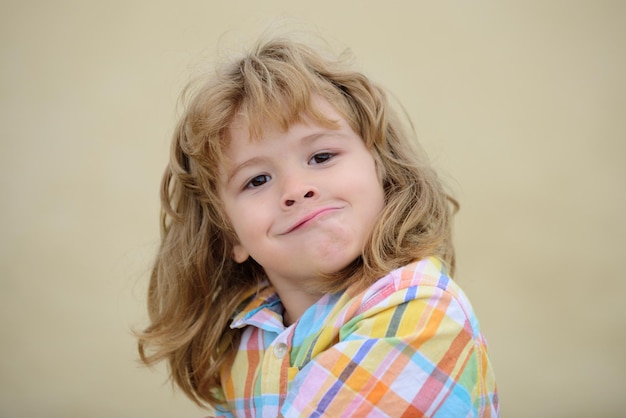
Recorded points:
(196,286)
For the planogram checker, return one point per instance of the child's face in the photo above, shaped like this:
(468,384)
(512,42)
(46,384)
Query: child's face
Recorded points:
(301,202)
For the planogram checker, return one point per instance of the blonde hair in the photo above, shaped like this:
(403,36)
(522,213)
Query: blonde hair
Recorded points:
(196,286)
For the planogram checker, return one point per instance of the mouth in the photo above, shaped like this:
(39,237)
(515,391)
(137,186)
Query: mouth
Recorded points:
(308,218)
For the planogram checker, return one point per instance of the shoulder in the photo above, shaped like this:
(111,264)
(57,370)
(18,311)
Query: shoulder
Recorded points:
(422,286)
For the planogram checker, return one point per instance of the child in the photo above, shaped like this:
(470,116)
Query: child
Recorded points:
(306,252)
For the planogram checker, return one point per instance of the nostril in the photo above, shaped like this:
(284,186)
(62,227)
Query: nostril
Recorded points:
(291,202)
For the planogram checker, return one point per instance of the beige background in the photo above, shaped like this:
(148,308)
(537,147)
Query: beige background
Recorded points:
(521,104)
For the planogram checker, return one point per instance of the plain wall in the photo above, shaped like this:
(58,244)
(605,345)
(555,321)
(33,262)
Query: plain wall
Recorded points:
(520,104)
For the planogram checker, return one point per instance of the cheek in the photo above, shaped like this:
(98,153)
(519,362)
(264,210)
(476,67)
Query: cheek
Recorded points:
(380,168)
(377,196)
(248,222)
(232,217)
(381,174)
(376,172)
(237,220)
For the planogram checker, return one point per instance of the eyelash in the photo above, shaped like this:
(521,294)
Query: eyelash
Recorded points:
(250,184)
(264,178)
(328,156)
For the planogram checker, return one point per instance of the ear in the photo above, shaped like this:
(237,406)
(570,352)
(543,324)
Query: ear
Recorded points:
(240,254)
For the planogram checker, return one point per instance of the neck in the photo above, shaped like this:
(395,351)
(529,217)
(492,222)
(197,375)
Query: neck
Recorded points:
(295,303)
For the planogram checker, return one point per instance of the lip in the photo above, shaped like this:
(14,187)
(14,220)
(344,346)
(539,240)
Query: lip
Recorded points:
(306,219)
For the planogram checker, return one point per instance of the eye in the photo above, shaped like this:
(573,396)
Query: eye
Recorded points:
(257,181)
(321,157)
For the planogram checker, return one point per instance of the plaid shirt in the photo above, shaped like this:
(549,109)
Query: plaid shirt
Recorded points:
(409,345)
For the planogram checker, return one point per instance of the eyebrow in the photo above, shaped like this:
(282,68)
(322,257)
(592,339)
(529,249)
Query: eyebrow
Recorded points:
(307,140)
(252,161)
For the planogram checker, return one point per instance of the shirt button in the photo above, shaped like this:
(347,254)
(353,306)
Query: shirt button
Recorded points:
(280,350)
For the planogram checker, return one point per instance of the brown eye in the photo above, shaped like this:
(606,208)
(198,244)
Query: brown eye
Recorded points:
(321,158)
(258,181)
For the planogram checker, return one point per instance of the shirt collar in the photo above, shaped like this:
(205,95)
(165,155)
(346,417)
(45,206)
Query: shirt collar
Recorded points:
(263,310)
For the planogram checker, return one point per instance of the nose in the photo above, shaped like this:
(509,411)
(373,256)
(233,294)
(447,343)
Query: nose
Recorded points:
(296,192)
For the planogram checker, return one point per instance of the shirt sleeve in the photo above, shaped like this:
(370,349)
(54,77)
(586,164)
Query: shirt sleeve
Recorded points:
(416,352)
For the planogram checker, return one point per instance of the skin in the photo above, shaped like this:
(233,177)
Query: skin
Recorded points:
(302,202)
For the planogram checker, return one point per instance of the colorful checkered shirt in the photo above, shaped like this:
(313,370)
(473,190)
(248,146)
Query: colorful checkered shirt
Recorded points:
(409,345)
